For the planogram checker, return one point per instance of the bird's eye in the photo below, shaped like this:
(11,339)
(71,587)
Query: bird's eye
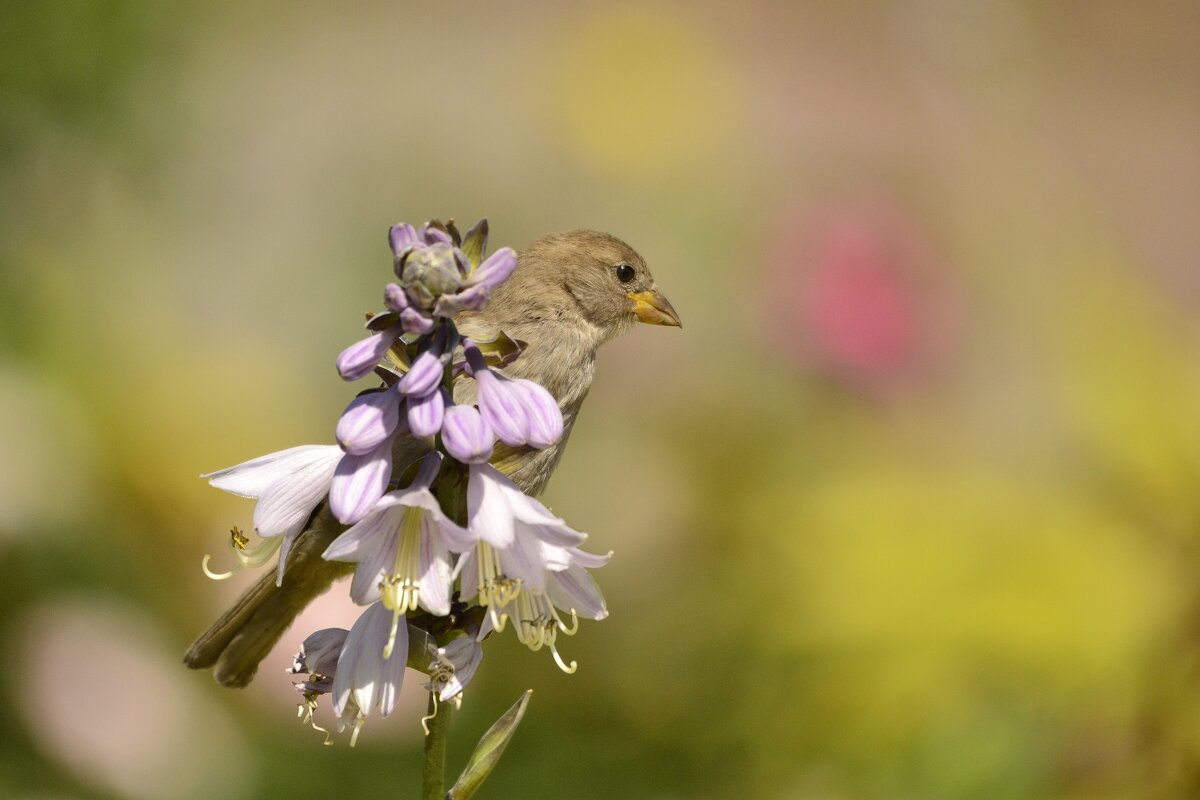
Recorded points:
(625,273)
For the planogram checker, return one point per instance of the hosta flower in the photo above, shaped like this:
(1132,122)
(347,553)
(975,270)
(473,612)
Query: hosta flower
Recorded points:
(402,549)
(466,436)
(518,411)
(359,481)
(452,667)
(370,668)
(288,485)
(359,359)
(371,419)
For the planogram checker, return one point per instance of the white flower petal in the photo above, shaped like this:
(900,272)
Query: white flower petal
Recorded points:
(466,567)
(287,503)
(435,581)
(363,677)
(524,559)
(489,515)
(251,478)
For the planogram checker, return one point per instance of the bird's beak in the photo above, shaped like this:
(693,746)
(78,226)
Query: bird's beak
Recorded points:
(654,309)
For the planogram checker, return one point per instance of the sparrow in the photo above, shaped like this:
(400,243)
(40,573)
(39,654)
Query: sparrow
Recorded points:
(570,293)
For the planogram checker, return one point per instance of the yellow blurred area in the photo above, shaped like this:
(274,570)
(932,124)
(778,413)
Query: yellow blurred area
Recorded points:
(639,90)
(909,508)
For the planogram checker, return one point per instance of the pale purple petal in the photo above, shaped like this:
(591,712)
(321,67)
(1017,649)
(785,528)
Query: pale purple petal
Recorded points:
(524,560)
(368,421)
(472,299)
(251,478)
(414,321)
(433,235)
(502,408)
(467,568)
(319,651)
(287,503)
(363,676)
(359,482)
(464,653)
(360,538)
(466,436)
(575,590)
(375,563)
(401,237)
(435,581)
(496,268)
(360,358)
(559,535)
(425,413)
(421,378)
(589,560)
(545,418)
(394,297)
(488,513)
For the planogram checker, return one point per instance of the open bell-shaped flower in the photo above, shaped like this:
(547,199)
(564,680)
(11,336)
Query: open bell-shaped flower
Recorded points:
(366,679)
(402,548)
(288,485)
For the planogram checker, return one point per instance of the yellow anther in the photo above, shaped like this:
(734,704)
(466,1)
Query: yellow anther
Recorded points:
(237,538)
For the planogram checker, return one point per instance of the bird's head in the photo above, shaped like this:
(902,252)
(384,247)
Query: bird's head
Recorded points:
(600,277)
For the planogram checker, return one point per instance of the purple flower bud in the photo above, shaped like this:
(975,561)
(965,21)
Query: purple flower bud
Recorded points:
(358,483)
(472,299)
(502,405)
(357,360)
(466,436)
(424,374)
(545,418)
(368,421)
(425,413)
(496,269)
(414,321)
(401,237)
(394,297)
(432,235)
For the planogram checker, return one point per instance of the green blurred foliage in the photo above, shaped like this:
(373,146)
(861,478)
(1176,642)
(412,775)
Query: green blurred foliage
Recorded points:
(908,509)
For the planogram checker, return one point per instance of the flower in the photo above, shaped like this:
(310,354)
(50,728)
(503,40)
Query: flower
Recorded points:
(371,419)
(466,436)
(402,548)
(359,359)
(359,481)
(452,667)
(370,668)
(519,411)
(497,510)
(288,485)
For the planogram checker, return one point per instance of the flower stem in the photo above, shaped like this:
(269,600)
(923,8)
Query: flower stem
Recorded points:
(433,773)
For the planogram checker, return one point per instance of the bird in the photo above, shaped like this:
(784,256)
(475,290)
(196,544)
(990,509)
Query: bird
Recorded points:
(570,293)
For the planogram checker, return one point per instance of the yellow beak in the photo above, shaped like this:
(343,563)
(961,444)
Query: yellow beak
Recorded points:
(654,309)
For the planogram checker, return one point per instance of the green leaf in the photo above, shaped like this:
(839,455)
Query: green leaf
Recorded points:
(500,351)
(382,321)
(475,242)
(488,751)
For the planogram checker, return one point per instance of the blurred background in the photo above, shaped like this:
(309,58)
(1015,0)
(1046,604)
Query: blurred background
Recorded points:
(909,509)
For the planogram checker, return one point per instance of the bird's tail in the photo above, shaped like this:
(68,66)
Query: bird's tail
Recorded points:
(243,636)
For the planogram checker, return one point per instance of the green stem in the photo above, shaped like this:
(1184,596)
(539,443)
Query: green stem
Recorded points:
(433,774)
